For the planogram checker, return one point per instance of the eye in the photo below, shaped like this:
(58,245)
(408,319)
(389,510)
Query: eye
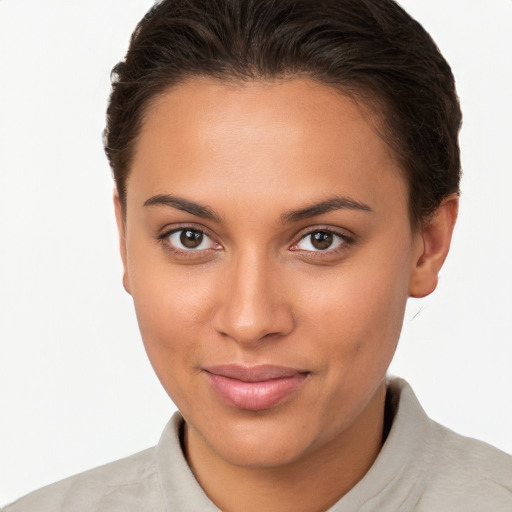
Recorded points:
(189,239)
(321,240)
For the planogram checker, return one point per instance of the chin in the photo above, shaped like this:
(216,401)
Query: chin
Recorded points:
(261,453)
(258,441)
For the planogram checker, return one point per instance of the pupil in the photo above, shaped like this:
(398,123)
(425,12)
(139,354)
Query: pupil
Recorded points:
(321,240)
(191,239)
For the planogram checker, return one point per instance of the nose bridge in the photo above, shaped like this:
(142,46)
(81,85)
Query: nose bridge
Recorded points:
(253,305)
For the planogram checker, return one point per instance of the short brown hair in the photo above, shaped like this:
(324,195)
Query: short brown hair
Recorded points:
(371,48)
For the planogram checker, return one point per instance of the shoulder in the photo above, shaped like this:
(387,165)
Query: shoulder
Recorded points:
(452,472)
(125,485)
(468,471)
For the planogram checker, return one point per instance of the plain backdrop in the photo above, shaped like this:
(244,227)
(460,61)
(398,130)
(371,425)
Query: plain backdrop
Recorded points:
(76,388)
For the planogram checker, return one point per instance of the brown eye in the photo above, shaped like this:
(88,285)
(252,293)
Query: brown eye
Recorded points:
(191,239)
(321,240)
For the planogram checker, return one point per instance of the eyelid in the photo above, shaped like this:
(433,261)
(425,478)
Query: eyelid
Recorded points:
(347,237)
(167,231)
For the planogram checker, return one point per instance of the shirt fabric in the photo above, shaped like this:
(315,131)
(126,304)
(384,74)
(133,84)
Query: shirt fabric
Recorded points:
(422,467)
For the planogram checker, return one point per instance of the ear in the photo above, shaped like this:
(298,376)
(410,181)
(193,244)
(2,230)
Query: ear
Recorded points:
(121,229)
(433,243)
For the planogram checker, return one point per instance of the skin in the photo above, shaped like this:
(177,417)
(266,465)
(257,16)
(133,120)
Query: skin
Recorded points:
(258,292)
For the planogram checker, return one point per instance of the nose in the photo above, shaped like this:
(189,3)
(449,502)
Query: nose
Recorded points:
(254,303)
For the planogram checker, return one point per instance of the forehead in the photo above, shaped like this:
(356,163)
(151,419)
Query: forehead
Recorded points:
(262,141)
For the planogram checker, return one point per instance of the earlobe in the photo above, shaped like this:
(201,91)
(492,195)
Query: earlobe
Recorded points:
(121,229)
(433,244)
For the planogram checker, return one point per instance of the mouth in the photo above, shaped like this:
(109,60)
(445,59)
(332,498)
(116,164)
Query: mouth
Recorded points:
(254,388)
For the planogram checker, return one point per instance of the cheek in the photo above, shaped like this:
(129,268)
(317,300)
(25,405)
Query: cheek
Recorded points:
(170,325)
(171,310)
(172,304)
(358,311)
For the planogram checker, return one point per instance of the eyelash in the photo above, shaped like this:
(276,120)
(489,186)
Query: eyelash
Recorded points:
(346,241)
(185,253)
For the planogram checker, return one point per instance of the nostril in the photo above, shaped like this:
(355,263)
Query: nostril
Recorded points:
(251,308)
(264,326)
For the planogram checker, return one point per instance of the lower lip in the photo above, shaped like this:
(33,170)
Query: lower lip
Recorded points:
(255,396)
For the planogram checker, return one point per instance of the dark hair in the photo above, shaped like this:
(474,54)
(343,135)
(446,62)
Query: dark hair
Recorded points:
(369,48)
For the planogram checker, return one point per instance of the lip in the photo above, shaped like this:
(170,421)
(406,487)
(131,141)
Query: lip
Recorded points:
(254,388)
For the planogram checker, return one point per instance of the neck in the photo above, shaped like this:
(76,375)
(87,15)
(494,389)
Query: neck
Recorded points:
(313,482)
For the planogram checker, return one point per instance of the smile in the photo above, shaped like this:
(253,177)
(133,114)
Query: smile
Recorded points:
(254,388)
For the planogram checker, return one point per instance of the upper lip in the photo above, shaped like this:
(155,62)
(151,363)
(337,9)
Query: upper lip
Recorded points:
(257,373)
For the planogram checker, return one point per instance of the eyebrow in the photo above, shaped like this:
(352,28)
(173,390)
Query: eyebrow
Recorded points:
(199,210)
(184,205)
(328,205)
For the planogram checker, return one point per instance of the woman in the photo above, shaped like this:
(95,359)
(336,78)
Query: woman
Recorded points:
(286,177)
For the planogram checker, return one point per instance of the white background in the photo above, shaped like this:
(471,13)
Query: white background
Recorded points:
(76,389)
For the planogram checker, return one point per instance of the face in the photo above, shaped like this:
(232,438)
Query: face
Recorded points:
(268,250)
